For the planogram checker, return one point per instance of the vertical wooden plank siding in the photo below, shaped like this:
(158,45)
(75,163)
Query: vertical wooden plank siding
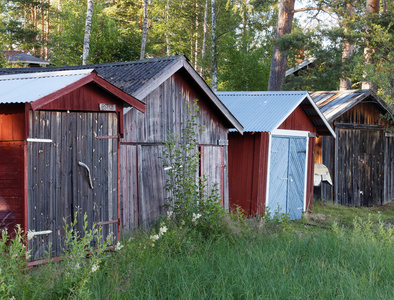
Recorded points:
(58,186)
(212,167)
(360,161)
(166,112)
(389,168)
(310,175)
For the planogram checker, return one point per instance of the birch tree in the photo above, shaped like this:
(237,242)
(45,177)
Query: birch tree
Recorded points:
(88,25)
(204,41)
(144,29)
(214,54)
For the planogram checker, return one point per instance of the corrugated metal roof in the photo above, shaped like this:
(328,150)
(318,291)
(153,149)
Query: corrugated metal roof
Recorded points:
(128,76)
(266,111)
(137,77)
(26,88)
(334,103)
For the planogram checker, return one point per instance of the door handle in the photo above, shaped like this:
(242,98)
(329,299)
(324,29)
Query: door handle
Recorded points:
(88,173)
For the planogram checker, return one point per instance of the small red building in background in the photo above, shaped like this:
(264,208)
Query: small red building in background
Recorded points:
(272,163)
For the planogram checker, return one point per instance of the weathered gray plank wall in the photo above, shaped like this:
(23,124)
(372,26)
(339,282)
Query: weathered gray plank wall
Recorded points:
(58,186)
(142,192)
(389,168)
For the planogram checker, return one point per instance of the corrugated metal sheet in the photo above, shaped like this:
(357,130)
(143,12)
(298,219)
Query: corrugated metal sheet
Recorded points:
(266,111)
(128,76)
(261,111)
(334,103)
(26,88)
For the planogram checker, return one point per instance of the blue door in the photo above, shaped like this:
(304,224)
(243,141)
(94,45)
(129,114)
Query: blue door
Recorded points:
(287,175)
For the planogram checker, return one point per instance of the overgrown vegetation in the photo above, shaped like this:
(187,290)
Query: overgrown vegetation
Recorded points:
(198,251)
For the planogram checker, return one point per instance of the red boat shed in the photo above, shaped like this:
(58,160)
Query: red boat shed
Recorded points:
(59,154)
(272,164)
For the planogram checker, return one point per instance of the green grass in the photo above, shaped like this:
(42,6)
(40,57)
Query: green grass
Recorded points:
(308,259)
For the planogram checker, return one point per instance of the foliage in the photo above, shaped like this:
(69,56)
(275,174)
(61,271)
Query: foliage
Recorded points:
(83,255)
(12,262)
(347,254)
(188,196)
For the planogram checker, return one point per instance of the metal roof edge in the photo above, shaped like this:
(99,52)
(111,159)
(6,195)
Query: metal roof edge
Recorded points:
(215,99)
(321,115)
(21,76)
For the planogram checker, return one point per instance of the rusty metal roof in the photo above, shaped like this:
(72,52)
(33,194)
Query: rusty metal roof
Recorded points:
(334,103)
(266,111)
(26,88)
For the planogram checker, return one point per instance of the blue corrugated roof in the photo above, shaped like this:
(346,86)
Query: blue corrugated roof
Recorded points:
(261,111)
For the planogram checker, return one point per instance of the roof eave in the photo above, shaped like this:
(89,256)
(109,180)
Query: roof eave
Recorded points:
(91,77)
(182,62)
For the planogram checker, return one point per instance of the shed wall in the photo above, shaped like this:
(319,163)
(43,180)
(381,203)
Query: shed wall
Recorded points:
(248,158)
(12,134)
(143,193)
(356,158)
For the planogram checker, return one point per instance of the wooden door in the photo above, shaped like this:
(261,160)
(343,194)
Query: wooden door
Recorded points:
(72,161)
(287,176)
(213,167)
(389,168)
(359,164)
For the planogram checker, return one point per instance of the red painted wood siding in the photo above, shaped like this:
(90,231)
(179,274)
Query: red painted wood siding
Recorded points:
(248,171)
(87,98)
(298,120)
(12,132)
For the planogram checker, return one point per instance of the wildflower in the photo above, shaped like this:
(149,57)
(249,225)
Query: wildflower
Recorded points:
(154,237)
(28,255)
(95,267)
(169,214)
(30,234)
(195,217)
(162,230)
(77,266)
(118,246)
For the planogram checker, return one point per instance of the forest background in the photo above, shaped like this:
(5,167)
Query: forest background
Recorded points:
(231,43)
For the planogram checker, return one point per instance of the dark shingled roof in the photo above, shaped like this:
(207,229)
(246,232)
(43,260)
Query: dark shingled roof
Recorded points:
(139,78)
(128,76)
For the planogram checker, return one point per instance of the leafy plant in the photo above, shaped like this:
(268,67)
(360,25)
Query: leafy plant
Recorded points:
(12,261)
(188,195)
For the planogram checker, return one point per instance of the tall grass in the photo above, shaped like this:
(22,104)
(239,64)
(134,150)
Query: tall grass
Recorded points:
(329,265)
(254,259)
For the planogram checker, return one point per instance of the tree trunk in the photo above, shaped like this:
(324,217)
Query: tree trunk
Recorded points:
(88,26)
(347,51)
(279,57)
(372,8)
(167,21)
(204,41)
(214,54)
(144,29)
(196,39)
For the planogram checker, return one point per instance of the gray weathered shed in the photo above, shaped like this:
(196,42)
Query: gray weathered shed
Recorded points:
(166,85)
(361,158)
